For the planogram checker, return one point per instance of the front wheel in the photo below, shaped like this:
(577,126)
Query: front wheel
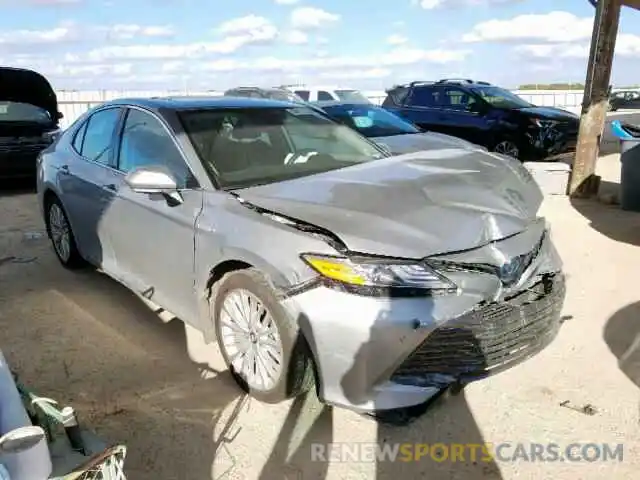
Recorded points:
(61,235)
(508,148)
(259,341)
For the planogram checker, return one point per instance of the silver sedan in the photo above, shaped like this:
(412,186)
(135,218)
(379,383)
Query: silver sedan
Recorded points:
(310,254)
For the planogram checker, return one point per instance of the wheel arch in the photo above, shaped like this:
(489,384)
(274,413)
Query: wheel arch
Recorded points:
(217,272)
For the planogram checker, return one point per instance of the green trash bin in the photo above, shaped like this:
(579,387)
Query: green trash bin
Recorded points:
(630,174)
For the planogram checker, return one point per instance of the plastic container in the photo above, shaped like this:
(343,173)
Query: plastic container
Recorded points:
(552,177)
(630,174)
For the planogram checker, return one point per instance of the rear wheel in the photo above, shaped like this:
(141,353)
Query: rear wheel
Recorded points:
(259,341)
(61,235)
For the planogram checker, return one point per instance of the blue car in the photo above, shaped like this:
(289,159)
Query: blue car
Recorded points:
(387,129)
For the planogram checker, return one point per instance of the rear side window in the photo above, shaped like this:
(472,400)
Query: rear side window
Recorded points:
(324,96)
(424,97)
(98,141)
(396,96)
(303,94)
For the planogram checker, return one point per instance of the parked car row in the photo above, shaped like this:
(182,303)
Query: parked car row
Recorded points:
(314,256)
(476,111)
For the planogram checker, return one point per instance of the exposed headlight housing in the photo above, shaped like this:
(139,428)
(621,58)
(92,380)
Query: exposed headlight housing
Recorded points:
(378,276)
(542,123)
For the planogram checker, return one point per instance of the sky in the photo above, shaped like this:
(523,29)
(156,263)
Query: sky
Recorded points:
(369,45)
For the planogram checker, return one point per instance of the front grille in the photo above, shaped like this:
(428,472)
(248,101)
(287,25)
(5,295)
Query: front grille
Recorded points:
(488,339)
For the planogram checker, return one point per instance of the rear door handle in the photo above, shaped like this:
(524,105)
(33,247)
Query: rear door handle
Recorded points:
(64,169)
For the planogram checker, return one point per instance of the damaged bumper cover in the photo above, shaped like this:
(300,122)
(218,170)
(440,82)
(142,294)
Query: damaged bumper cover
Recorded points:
(378,353)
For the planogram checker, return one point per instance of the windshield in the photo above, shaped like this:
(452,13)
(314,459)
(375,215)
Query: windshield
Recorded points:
(499,97)
(248,147)
(23,112)
(371,121)
(352,96)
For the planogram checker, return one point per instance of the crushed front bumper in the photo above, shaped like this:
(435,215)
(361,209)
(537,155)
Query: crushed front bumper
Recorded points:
(376,354)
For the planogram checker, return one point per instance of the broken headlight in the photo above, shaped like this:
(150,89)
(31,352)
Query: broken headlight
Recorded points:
(379,276)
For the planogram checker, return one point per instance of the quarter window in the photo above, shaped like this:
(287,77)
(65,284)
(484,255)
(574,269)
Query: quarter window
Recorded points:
(145,142)
(424,97)
(98,144)
(303,94)
(79,137)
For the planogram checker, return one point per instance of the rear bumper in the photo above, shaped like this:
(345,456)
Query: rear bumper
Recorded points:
(19,163)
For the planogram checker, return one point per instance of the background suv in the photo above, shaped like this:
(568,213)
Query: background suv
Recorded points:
(486,115)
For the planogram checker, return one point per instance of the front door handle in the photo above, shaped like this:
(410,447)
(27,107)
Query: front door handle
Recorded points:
(64,169)
(111,186)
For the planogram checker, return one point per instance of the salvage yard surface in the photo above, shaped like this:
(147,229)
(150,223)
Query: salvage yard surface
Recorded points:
(154,386)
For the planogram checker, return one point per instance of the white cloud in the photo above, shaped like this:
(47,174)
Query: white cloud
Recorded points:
(552,27)
(295,37)
(68,32)
(245,24)
(312,18)
(396,39)
(286,2)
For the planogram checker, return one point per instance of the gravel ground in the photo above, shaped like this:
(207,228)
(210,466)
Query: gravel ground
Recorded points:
(83,339)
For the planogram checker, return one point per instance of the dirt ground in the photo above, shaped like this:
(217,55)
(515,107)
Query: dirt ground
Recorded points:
(154,386)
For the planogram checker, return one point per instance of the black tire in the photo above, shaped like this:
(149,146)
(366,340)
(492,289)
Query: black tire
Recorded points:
(75,260)
(495,147)
(297,376)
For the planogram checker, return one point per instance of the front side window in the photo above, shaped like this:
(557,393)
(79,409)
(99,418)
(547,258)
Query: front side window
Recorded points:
(303,94)
(246,147)
(145,143)
(457,99)
(372,121)
(499,97)
(97,145)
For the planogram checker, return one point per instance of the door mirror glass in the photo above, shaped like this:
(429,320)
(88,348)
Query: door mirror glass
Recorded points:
(151,180)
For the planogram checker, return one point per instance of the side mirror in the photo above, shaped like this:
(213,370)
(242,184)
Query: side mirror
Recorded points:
(150,180)
(154,180)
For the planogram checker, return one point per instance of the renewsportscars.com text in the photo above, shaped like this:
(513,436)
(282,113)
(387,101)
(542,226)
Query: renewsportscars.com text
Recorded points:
(467,452)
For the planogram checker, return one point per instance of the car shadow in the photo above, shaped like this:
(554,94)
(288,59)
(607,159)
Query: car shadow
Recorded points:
(622,336)
(444,419)
(133,378)
(611,221)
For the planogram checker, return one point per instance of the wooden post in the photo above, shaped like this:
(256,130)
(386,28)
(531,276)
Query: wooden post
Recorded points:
(583,181)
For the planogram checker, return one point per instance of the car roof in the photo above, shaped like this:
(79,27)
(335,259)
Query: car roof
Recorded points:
(338,104)
(202,102)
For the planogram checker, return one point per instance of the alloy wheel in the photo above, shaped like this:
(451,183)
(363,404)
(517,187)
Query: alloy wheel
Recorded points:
(60,232)
(507,147)
(251,340)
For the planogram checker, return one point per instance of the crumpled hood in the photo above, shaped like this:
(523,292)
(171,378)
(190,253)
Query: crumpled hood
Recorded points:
(413,205)
(550,113)
(415,142)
